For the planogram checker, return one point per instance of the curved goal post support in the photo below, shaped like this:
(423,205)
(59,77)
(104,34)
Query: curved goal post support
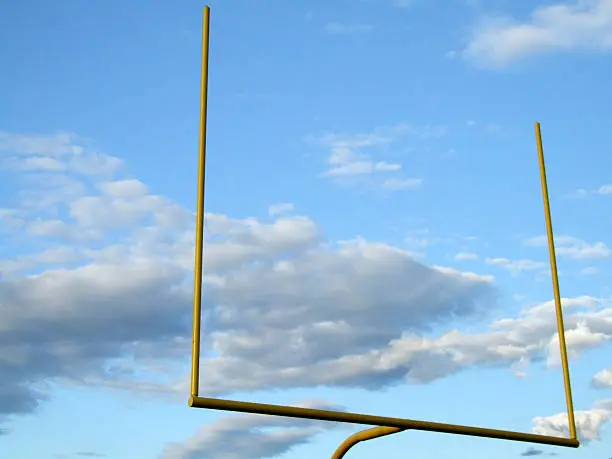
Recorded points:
(384,425)
(363,435)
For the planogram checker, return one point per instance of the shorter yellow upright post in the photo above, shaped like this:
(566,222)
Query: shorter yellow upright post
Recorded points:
(556,291)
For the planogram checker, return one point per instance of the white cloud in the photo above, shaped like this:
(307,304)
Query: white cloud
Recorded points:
(44,191)
(124,188)
(423,238)
(571,247)
(377,362)
(603,378)
(578,339)
(605,190)
(60,255)
(588,423)
(11,220)
(54,152)
(58,144)
(242,241)
(347,162)
(280,208)
(353,166)
(100,212)
(577,194)
(35,163)
(95,164)
(59,229)
(583,25)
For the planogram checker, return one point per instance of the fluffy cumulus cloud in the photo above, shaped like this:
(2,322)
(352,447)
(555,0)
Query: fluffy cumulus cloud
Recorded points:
(562,26)
(588,422)
(102,295)
(516,266)
(373,350)
(315,321)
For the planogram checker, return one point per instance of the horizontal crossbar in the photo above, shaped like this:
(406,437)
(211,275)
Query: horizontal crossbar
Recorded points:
(367,419)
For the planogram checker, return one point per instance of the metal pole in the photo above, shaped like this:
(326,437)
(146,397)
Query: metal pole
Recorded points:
(555,281)
(368,434)
(367,419)
(199,242)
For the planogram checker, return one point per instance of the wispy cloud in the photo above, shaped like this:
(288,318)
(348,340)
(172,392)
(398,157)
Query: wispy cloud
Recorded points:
(58,144)
(347,160)
(249,436)
(57,152)
(603,190)
(574,248)
(584,25)
(280,208)
(516,266)
(577,194)
(422,238)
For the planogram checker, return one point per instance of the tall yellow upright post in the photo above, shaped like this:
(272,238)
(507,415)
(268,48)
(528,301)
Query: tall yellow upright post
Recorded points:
(197,285)
(557,294)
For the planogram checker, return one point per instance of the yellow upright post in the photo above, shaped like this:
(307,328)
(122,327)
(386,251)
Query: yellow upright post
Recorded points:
(197,285)
(557,294)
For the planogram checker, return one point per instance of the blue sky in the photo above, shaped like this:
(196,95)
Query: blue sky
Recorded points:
(374,229)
